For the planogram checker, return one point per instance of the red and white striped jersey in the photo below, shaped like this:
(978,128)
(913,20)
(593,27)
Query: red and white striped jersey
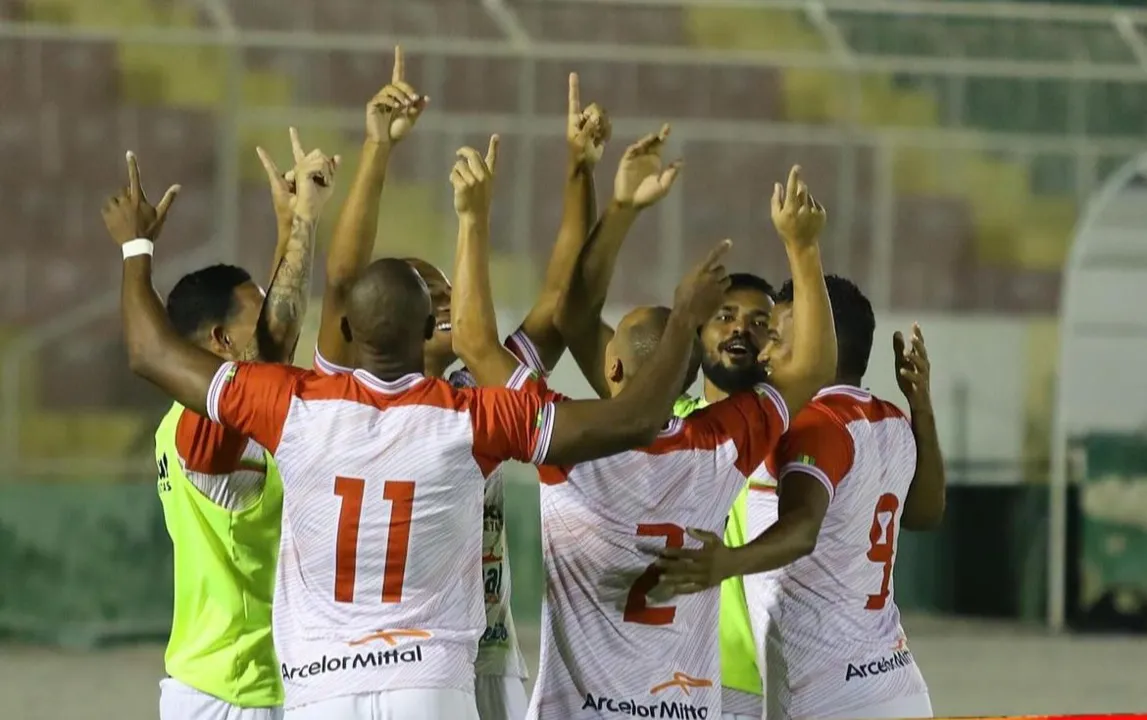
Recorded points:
(498,650)
(380,557)
(828,623)
(611,646)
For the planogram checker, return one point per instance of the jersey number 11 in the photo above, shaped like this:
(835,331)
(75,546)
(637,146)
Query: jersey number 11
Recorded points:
(400,493)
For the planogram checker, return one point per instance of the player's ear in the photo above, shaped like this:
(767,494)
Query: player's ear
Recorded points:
(344,326)
(614,370)
(219,340)
(428,331)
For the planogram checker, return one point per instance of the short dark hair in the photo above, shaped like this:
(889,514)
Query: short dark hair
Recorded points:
(749,281)
(204,297)
(853,319)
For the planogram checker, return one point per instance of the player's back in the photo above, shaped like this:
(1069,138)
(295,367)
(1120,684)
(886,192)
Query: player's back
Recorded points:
(834,638)
(611,648)
(381,544)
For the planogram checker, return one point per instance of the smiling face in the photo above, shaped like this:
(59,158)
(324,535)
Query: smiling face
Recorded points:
(439,349)
(734,337)
(778,350)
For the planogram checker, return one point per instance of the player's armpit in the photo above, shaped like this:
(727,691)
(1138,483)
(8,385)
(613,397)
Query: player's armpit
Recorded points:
(154,350)
(803,502)
(817,445)
(254,399)
(925,503)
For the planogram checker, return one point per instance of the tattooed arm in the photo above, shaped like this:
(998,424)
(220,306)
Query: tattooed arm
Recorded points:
(277,332)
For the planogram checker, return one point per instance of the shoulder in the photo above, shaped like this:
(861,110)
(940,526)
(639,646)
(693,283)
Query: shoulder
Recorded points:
(849,404)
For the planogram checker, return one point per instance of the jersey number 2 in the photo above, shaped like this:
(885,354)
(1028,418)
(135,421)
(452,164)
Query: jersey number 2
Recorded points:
(637,608)
(400,493)
(882,545)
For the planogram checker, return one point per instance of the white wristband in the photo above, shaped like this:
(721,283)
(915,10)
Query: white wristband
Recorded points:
(139,246)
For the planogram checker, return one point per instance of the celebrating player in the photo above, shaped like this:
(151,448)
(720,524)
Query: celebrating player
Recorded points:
(500,667)
(221,495)
(819,577)
(610,647)
(376,609)
(731,341)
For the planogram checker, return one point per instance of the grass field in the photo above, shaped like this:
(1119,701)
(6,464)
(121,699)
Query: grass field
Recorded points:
(972,668)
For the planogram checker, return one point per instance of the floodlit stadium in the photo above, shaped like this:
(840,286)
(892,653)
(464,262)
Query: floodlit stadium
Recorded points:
(984,169)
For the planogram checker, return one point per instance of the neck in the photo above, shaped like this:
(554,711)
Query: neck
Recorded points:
(436,367)
(853,380)
(712,393)
(389,367)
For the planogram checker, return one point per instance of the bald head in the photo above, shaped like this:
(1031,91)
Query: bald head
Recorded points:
(638,335)
(388,309)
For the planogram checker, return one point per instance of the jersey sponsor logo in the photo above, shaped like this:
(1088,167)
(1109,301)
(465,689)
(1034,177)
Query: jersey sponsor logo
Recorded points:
(895,661)
(682,710)
(164,482)
(391,637)
(361,660)
(683,681)
(495,634)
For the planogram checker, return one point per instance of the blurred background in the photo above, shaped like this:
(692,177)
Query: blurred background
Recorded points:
(978,161)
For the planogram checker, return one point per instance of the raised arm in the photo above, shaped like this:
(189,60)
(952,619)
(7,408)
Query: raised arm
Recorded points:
(589,429)
(586,134)
(277,333)
(640,182)
(389,117)
(473,320)
(925,502)
(154,350)
(799,220)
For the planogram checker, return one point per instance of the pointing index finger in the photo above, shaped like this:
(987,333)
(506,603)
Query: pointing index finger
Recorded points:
(135,190)
(574,95)
(399,72)
(793,186)
(715,255)
(492,153)
(297,146)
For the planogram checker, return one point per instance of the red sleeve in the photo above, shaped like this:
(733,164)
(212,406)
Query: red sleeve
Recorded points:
(512,424)
(519,345)
(206,447)
(817,445)
(753,420)
(254,399)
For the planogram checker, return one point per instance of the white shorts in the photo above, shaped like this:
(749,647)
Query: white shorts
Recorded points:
(412,704)
(178,701)
(912,706)
(501,697)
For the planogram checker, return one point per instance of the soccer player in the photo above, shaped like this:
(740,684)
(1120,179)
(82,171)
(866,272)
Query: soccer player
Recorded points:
(732,340)
(220,491)
(610,647)
(500,667)
(376,610)
(818,579)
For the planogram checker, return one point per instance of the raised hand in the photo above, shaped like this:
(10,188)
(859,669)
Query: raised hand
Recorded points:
(473,180)
(913,370)
(641,180)
(283,195)
(701,291)
(797,217)
(314,179)
(587,130)
(392,113)
(128,215)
